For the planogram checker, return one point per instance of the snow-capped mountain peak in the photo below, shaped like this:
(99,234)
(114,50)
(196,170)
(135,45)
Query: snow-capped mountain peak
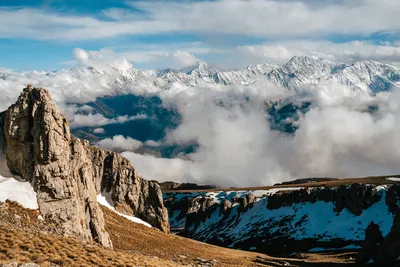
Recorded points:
(201,69)
(367,76)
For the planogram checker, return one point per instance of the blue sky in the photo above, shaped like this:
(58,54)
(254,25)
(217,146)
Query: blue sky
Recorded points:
(42,35)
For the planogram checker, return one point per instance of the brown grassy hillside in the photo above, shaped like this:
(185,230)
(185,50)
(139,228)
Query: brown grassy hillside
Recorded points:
(44,249)
(24,238)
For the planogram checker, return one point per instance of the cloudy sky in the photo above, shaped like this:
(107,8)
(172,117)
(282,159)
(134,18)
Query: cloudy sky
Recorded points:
(42,35)
(236,145)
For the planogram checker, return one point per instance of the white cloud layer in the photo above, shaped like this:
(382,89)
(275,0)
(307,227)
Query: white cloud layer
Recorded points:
(152,143)
(95,120)
(336,138)
(99,131)
(120,143)
(261,18)
(281,52)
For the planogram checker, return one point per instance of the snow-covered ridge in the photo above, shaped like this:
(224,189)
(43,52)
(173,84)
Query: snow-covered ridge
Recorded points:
(311,219)
(367,76)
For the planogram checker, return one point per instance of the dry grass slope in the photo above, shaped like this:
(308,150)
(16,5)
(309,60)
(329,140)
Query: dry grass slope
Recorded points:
(44,249)
(24,238)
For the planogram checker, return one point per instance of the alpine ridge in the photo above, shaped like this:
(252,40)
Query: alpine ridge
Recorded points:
(367,76)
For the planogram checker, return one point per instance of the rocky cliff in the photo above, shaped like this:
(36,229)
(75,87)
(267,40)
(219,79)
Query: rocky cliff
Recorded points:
(281,221)
(68,174)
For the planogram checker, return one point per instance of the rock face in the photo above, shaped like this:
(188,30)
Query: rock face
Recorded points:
(68,174)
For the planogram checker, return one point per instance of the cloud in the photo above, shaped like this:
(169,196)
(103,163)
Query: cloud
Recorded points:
(99,131)
(162,169)
(152,143)
(179,59)
(350,52)
(95,74)
(86,109)
(336,138)
(95,120)
(260,18)
(162,58)
(120,143)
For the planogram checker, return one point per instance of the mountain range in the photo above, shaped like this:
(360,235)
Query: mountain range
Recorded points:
(367,76)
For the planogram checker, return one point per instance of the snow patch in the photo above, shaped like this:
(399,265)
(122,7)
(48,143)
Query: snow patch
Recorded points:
(102,199)
(331,249)
(19,191)
(395,179)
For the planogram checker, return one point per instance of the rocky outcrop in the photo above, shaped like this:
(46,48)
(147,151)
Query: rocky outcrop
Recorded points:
(68,174)
(389,250)
(226,205)
(381,250)
(373,238)
(246,201)
(384,250)
(355,197)
(392,198)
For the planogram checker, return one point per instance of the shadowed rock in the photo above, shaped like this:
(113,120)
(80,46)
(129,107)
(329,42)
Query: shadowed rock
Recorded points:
(356,198)
(373,238)
(389,250)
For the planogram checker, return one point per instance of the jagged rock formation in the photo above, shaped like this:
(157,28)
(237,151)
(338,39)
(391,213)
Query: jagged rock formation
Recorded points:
(287,220)
(68,174)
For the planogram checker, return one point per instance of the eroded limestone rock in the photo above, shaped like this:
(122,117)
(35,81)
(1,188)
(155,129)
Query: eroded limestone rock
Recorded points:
(68,174)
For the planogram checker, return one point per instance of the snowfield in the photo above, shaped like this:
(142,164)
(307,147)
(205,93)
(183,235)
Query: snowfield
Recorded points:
(102,199)
(14,188)
(257,226)
(394,179)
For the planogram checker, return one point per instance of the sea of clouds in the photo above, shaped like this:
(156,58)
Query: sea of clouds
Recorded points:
(338,137)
